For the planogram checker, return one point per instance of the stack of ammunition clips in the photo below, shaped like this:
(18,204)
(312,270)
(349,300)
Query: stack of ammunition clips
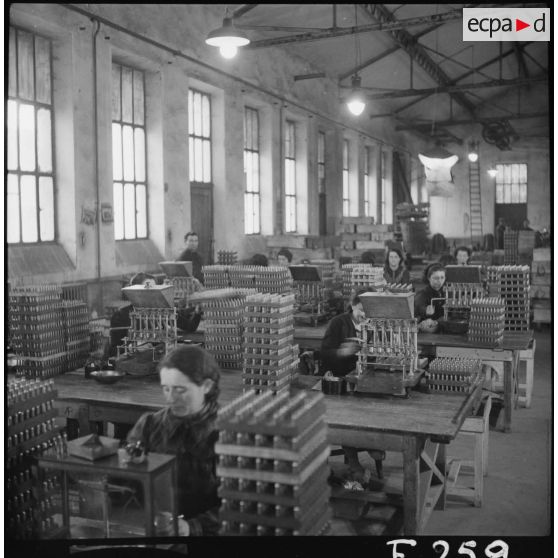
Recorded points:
(216,276)
(273,469)
(273,279)
(511,283)
(454,375)
(486,321)
(270,358)
(510,247)
(227,257)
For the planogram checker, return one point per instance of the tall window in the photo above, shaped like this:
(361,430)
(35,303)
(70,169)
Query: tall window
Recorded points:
(367,182)
(385,194)
(346,178)
(199,124)
(251,171)
(128,153)
(30,140)
(511,183)
(321,163)
(290,177)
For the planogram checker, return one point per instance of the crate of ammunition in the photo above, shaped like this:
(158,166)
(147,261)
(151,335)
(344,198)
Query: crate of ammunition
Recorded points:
(216,276)
(272,463)
(512,284)
(227,257)
(487,321)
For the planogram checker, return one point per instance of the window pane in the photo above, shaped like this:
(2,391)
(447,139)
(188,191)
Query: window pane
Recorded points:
(128,149)
(345,154)
(248,214)
(12,61)
(127,108)
(197,114)
(116,113)
(206,161)
(256,203)
(42,69)
(499,193)
(25,66)
(29,209)
(191,159)
(206,129)
(139,117)
(129,211)
(256,173)
(248,170)
(116,151)
(321,147)
(141,211)
(44,141)
(515,192)
(198,157)
(118,197)
(523,173)
(190,112)
(523,193)
(46,208)
(12,209)
(12,135)
(139,136)
(27,137)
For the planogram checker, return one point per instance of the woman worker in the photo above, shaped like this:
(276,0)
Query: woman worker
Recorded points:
(394,267)
(186,428)
(338,355)
(427,310)
(462,255)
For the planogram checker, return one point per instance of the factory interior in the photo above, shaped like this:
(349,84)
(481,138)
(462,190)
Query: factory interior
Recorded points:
(277,270)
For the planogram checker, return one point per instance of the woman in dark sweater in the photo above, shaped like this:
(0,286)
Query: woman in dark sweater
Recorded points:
(186,428)
(428,311)
(394,267)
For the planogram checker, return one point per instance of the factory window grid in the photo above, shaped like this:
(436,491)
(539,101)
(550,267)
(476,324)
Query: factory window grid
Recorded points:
(346,199)
(321,162)
(290,177)
(367,181)
(129,153)
(199,131)
(386,201)
(252,171)
(30,199)
(511,183)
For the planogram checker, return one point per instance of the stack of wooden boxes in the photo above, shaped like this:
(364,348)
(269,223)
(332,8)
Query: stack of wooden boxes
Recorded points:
(360,234)
(541,276)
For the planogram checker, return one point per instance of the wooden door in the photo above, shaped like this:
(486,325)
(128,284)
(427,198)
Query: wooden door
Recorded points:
(202,219)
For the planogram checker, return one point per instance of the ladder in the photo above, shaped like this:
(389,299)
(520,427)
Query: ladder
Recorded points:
(475,203)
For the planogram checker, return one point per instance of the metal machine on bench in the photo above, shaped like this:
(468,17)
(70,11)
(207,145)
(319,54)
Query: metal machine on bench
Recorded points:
(310,294)
(388,357)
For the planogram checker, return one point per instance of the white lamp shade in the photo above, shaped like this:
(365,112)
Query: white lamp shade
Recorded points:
(356,106)
(227,36)
(228,51)
(473,157)
(492,172)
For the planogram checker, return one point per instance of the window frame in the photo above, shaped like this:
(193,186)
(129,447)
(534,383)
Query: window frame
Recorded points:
(290,161)
(192,136)
(500,184)
(254,152)
(37,174)
(134,125)
(320,161)
(346,201)
(366,180)
(383,185)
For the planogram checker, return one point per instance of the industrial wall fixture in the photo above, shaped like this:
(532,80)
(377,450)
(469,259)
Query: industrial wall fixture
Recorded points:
(492,172)
(473,154)
(227,38)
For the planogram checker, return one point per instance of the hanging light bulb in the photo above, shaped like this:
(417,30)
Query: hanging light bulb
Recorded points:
(356,102)
(228,38)
(473,154)
(492,172)
(228,51)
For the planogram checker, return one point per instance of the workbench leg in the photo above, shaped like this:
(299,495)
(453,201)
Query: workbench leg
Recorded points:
(411,489)
(441,464)
(149,508)
(65,502)
(509,370)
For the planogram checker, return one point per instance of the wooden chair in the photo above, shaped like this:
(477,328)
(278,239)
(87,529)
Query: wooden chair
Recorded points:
(478,427)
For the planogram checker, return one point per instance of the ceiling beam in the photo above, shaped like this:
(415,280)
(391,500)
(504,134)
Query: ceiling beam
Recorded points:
(333,32)
(523,70)
(419,54)
(242,9)
(462,122)
(382,55)
(397,93)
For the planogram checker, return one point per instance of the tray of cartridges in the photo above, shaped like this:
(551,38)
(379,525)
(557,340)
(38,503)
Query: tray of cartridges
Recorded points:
(387,375)
(454,375)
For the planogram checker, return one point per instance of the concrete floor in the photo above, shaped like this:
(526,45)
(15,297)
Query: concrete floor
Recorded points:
(517,490)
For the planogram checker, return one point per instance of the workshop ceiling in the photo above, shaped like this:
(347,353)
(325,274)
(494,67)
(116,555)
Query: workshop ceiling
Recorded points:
(501,88)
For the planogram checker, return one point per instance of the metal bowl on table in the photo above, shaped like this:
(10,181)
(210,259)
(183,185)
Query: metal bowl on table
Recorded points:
(107,376)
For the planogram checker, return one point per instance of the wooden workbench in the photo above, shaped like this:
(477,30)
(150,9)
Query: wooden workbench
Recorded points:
(446,345)
(419,427)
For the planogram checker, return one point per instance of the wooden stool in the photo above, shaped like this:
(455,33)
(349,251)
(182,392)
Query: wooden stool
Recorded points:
(478,427)
(528,357)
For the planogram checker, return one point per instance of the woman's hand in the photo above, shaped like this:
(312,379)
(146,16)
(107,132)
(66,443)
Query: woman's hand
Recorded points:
(348,348)
(430,310)
(428,326)
(183,528)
